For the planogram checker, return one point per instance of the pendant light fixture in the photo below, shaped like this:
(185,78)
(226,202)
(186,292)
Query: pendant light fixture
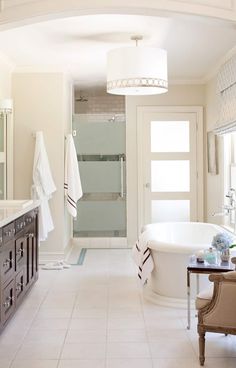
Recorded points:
(137,70)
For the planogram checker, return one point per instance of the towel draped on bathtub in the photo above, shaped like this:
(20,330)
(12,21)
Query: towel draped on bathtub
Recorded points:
(142,257)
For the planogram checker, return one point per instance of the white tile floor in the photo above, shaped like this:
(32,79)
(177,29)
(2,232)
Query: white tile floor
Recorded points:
(94,316)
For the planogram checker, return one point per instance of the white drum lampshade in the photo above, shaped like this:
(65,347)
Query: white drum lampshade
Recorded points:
(137,71)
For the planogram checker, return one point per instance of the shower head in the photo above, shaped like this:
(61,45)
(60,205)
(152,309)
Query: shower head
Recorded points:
(81,98)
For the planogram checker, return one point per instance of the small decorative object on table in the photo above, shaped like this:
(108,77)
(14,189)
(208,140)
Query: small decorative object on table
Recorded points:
(222,242)
(210,256)
(200,256)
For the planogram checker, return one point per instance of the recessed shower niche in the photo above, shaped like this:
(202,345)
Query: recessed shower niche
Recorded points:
(100,140)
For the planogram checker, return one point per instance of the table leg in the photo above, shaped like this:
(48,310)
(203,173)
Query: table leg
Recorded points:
(188,299)
(198,284)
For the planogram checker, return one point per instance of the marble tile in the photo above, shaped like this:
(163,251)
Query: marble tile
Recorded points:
(95,316)
(126,323)
(86,336)
(128,350)
(88,323)
(84,351)
(35,351)
(172,348)
(129,363)
(54,313)
(4,363)
(50,323)
(89,312)
(8,351)
(22,363)
(176,363)
(43,336)
(126,335)
(93,363)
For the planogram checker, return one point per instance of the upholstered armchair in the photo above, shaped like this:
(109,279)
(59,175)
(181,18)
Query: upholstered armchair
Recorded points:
(217,312)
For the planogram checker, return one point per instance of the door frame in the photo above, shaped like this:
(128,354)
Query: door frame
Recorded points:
(198,111)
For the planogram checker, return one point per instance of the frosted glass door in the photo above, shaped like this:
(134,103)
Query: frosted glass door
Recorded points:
(101,156)
(2,158)
(169,172)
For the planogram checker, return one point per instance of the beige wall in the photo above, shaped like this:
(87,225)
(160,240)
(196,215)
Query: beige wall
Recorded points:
(41,102)
(5,77)
(214,183)
(5,92)
(178,95)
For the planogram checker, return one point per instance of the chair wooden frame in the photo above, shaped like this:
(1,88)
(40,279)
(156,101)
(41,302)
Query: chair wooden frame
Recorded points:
(213,317)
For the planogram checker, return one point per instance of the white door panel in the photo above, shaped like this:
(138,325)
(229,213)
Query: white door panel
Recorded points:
(167,154)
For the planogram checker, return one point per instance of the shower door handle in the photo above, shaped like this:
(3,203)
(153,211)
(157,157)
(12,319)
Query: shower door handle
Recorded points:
(121,176)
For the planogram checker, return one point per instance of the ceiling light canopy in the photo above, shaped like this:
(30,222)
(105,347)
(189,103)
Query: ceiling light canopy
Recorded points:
(137,70)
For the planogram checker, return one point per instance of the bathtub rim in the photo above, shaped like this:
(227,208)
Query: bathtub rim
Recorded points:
(174,247)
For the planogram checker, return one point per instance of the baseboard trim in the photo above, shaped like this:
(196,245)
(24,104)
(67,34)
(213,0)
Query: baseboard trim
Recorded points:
(45,257)
(107,243)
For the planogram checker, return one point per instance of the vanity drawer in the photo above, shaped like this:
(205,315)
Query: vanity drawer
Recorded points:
(7,262)
(19,224)
(8,232)
(20,286)
(7,301)
(29,218)
(21,256)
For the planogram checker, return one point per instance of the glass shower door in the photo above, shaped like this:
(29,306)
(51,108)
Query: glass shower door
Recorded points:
(2,158)
(101,156)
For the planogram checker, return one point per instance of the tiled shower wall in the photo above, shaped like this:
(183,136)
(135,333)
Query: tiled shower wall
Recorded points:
(100,103)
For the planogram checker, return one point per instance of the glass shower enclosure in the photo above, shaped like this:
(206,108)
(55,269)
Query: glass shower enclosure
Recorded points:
(2,157)
(100,146)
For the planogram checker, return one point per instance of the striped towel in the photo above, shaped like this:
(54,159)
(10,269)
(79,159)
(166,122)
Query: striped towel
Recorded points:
(72,183)
(143,258)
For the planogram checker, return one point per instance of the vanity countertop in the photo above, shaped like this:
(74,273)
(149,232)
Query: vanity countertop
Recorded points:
(11,210)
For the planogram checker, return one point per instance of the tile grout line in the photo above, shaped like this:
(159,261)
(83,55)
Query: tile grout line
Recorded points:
(142,308)
(63,344)
(26,333)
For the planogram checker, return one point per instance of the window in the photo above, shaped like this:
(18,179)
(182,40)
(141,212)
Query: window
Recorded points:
(229,174)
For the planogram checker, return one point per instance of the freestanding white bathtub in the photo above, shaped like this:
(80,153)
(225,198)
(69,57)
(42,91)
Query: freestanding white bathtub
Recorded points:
(171,246)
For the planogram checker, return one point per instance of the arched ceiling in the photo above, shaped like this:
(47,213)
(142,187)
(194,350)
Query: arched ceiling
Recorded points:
(78,45)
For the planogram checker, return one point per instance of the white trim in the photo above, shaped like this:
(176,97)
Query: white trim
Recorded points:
(2,157)
(198,111)
(45,257)
(10,156)
(108,243)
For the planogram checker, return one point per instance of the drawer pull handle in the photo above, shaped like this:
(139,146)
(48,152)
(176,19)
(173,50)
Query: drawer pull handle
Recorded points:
(8,232)
(0,239)
(7,262)
(20,251)
(19,286)
(8,302)
(30,235)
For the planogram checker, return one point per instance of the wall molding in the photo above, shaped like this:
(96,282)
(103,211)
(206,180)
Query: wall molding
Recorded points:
(29,11)
(219,4)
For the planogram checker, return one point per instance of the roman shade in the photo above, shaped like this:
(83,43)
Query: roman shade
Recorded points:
(226,89)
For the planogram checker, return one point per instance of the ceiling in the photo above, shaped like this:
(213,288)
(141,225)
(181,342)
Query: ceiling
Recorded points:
(78,45)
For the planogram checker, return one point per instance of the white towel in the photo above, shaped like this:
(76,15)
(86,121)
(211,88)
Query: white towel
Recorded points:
(142,257)
(72,183)
(43,186)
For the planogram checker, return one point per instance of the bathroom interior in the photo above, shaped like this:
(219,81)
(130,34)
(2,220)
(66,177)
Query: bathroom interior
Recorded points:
(157,174)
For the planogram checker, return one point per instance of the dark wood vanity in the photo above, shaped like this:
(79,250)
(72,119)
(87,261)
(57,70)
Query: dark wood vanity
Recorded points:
(18,262)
